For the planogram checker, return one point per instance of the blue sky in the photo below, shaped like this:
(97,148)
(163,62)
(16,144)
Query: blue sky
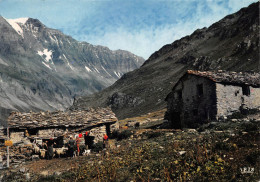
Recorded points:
(139,26)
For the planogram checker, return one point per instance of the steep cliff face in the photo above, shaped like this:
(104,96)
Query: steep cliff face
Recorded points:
(43,69)
(229,44)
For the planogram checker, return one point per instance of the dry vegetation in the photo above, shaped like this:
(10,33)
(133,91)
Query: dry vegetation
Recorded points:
(143,119)
(214,152)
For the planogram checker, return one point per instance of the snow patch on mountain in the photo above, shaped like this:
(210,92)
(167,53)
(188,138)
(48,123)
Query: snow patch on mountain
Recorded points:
(96,55)
(2,62)
(117,74)
(33,29)
(106,71)
(15,24)
(46,55)
(46,65)
(68,62)
(88,69)
(54,38)
(96,70)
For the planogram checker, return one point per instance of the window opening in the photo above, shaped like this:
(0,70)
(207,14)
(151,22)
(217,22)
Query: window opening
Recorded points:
(246,90)
(200,89)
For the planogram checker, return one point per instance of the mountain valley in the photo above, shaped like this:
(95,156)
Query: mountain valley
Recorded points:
(230,44)
(43,69)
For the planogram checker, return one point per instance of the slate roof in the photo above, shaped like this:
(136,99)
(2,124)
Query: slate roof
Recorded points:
(237,78)
(76,118)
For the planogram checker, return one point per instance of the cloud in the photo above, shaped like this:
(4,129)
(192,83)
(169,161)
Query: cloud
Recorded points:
(141,42)
(234,5)
(145,37)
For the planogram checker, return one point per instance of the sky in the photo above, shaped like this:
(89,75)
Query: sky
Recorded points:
(139,26)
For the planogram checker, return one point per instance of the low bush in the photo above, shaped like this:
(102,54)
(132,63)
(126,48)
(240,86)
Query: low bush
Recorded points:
(98,147)
(249,127)
(223,146)
(253,157)
(121,135)
(153,134)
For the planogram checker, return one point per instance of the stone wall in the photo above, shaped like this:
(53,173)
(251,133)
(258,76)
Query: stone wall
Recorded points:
(198,107)
(114,127)
(47,133)
(16,136)
(98,133)
(230,99)
(194,107)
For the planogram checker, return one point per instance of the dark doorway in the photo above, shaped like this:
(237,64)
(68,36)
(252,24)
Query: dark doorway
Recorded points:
(176,120)
(89,141)
(200,89)
(59,142)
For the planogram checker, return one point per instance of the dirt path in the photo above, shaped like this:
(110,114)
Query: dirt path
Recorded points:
(48,167)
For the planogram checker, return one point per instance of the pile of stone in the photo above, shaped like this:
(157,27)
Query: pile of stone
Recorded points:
(252,79)
(18,155)
(76,118)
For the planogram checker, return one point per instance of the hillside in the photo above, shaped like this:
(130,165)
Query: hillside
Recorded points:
(229,44)
(43,69)
(214,152)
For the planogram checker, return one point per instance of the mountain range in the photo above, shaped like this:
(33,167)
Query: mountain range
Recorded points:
(230,44)
(43,69)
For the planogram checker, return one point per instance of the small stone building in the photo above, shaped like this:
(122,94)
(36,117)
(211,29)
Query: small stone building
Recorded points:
(46,125)
(200,97)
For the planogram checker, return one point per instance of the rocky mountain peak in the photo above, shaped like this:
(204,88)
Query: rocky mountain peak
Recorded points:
(43,69)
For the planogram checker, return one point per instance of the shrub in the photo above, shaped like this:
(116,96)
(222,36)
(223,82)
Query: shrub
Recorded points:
(152,134)
(124,134)
(98,147)
(250,127)
(253,157)
(222,146)
(236,115)
(120,135)
(114,134)
(51,178)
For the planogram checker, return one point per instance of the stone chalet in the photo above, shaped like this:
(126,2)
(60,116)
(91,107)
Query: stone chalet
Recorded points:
(46,125)
(200,97)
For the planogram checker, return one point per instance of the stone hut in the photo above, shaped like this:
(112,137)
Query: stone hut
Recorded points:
(46,125)
(200,97)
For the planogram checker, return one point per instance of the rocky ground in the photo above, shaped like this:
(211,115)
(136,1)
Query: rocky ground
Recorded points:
(227,151)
